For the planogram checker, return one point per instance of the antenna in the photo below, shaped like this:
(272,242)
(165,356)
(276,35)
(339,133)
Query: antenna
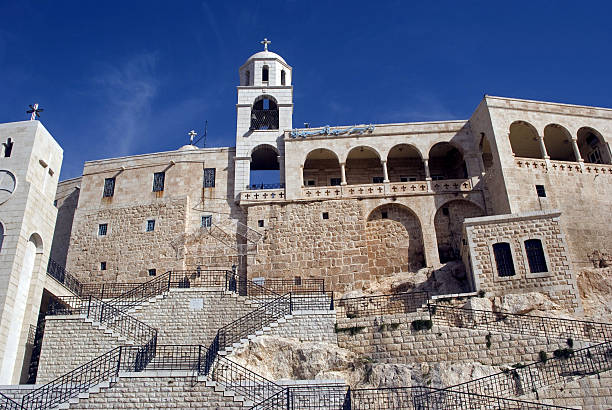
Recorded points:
(203,137)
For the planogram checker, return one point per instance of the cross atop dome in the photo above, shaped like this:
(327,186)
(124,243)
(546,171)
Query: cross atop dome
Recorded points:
(265,43)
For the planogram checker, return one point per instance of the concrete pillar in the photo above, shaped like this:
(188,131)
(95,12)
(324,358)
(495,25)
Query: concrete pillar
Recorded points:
(302,176)
(281,168)
(343,173)
(385,173)
(427,174)
(543,147)
(577,152)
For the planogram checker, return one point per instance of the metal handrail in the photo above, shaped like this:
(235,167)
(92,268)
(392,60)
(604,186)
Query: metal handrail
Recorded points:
(8,403)
(293,286)
(372,305)
(59,273)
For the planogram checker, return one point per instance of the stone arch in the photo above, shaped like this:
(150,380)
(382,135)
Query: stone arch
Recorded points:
(37,241)
(405,163)
(558,143)
(593,147)
(322,168)
(448,223)
(264,113)
(363,165)
(264,167)
(524,140)
(446,162)
(394,240)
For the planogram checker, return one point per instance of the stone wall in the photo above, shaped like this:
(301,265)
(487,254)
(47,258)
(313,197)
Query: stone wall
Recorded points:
(66,201)
(69,342)
(308,326)
(128,250)
(157,393)
(391,339)
(192,316)
(587,393)
(558,283)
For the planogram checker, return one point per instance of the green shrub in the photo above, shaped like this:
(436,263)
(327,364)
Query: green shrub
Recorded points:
(352,330)
(563,353)
(421,324)
(543,356)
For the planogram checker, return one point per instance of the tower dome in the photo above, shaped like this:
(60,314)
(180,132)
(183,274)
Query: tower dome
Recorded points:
(265,69)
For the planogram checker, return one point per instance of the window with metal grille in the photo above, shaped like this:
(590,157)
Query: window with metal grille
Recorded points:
(535,256)
(152,272)
(158,181)
(109,187)
(102,265)
(102,229)
(297,280)
(209,177)
(206,221)
(150,225)
(541,191)
(377,180)
(503,259)
(335,181)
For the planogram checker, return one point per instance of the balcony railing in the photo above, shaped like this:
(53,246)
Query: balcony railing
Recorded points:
(564,167)
(263,195)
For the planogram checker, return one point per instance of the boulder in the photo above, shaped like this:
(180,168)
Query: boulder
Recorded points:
(522,303)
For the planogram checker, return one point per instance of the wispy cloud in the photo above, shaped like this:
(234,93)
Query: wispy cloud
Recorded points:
(422,107)
(128,88)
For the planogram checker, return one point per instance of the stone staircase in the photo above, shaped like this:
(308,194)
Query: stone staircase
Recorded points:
(245,341)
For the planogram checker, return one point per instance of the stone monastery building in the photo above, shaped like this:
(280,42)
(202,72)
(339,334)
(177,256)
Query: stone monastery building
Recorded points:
(520,194)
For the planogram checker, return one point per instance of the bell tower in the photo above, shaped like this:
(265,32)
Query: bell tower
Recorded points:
(264,112)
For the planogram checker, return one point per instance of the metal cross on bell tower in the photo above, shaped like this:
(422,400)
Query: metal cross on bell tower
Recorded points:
(265,43)
(192,134)
(35,111)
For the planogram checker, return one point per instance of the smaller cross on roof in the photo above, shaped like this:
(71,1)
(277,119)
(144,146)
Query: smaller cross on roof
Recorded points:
(192,135)
(35,111)
(265,43)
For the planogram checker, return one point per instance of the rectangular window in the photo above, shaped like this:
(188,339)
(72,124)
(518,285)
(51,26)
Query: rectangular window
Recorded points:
(297,281)
(102,265)
(535,256)
(437,177)
(384,215)
(209,177)
(206,221)
(325,215)
(260,223)
(541,191)
(158,181)
(335,181)
(152,272)
(310,182)
(150,225)
(377,180)
(102,229)
(407,179)
(503,259)
(109,187)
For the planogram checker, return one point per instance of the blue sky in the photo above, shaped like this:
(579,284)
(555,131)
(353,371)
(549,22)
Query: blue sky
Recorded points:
(129,77)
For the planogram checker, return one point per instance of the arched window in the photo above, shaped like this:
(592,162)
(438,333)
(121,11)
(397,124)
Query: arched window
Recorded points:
(265,73)
(446,162)
(282,77)
(264,115)
(247,77)
(592,147)
(535,256)
(503,259)
(524,140)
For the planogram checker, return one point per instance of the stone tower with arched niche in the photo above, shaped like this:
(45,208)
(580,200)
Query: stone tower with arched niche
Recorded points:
(264,112)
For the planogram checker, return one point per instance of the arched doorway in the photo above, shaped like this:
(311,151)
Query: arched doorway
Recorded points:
(448,223)
(265,168)
(29,262)
(446,162)
(592,146)
(524,140)
(322,168)
(405,163)
(558,143)
(363,166)
(395,240)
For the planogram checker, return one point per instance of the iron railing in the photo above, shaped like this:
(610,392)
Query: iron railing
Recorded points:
(294,285)
(530,378)
(312,300)
(8,403)
(59,273)
(253,187)
(523,324)
(107,290)
(105,313)
(406,302)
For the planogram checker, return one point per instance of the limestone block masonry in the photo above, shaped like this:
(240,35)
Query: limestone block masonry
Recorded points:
(587,393)
(558,282)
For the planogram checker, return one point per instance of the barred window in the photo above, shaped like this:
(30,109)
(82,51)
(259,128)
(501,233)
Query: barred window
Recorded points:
(209,177)
(158,181)
(152,272)
(503,259)
(109,187)
(535,256)
(206,221)
(150,225)
(102,229)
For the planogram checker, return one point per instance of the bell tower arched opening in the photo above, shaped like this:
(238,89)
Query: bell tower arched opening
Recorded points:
(265,168)
(264,114)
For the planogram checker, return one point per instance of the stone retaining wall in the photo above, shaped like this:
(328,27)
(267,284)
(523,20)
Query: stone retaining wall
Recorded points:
(588,393)
(391,339)
(157,393)
(309,326)
(69,342)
